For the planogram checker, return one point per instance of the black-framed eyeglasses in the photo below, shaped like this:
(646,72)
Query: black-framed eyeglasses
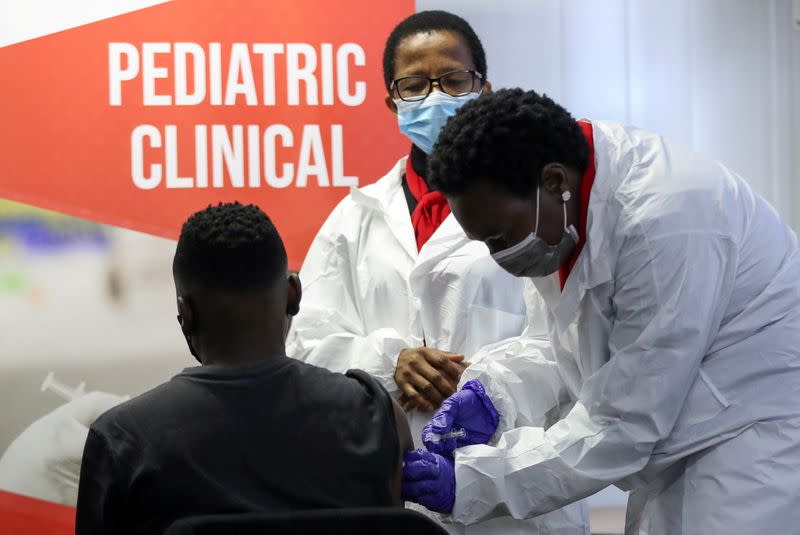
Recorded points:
(417,87)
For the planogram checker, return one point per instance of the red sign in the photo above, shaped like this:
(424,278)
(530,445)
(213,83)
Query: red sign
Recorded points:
(141,119)
(22,515)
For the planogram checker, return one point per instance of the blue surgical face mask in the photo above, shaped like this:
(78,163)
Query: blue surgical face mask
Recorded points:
(421,121)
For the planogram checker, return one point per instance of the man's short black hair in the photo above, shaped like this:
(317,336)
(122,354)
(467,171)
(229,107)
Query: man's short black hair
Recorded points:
(432,21)
(506,137)
(229,247)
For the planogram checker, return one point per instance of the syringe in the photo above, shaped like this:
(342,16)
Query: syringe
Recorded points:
(50,383)
(457,433)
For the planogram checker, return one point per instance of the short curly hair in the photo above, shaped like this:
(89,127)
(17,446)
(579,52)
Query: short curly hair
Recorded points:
(505,137)
(432,21)
(229,247)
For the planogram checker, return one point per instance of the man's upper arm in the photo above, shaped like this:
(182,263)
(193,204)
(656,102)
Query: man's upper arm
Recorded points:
(391,434)
(405,443)
(404,439)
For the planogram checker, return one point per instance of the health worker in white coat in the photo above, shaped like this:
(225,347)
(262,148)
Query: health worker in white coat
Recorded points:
(392,285)
(673,297)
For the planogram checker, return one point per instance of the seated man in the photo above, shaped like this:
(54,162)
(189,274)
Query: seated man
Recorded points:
(250,430)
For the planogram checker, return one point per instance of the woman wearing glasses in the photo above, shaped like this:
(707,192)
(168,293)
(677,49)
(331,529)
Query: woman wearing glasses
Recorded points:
(392,285)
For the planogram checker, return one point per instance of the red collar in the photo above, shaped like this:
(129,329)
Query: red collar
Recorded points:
(431,210)
(586,189)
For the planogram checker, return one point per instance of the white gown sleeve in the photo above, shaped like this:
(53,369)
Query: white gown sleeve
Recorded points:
(520,374)
(329,330)
(669,304)
(522,380)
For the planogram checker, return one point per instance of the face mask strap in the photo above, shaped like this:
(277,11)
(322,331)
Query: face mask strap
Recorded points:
(564,205)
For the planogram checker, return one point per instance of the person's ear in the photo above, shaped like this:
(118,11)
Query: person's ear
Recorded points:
(186,317)
(295,294)
(554,180)
(188,322)
(390,103)
(487,87)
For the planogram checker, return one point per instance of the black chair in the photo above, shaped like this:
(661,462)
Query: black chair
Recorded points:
(367,521)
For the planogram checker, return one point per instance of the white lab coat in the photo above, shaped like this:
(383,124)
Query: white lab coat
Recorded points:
(677,337)
(368,294)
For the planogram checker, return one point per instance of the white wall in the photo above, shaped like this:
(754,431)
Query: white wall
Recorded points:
(20,21)
(722,76)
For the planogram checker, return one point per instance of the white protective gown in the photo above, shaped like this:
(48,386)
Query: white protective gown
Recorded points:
(677,338)
(368,294)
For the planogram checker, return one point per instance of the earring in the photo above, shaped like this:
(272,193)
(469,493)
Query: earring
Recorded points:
(566,196)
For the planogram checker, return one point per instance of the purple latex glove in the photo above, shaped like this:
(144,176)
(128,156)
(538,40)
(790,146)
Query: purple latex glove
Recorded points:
(465,418)
(429,480)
